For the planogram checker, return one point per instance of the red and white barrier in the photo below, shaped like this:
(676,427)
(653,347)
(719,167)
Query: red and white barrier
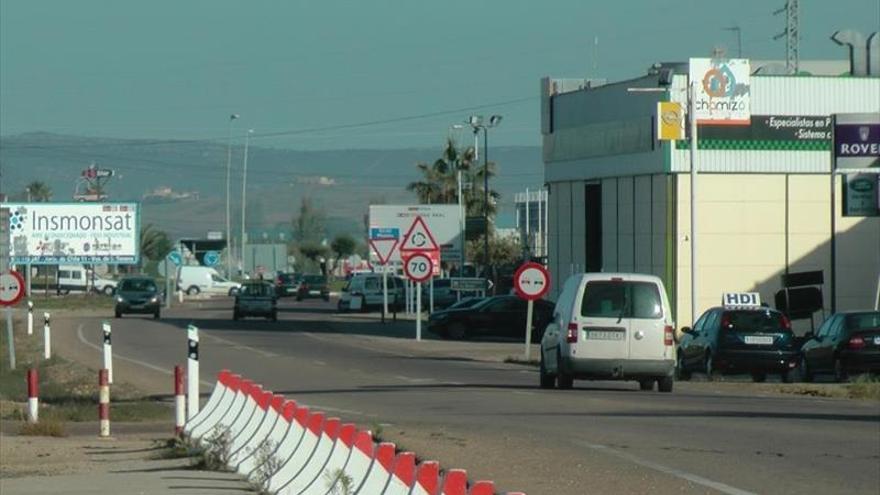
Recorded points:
(312,449)
(104,402)
(33,386)
(179,401)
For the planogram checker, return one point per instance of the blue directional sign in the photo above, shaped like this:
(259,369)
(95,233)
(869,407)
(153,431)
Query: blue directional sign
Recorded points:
(384,233)
(211,258)
(174,257)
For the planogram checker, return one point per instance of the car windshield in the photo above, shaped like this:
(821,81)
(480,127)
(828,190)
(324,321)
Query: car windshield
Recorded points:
(313,279)
(863,321)
(753,321)
(618,299)
(467,303)
(256,290)
(138,285)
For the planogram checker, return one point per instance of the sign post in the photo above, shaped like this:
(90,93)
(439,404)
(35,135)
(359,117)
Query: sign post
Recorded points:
(192,371)
(384,241)
(418,267)
(108,351)
(11,291)
(531,282)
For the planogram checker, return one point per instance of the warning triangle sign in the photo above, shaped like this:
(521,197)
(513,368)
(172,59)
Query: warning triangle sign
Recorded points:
(418,237)
(383,248)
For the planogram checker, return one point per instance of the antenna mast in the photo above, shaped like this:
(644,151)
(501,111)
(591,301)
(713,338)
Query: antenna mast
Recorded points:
(792,35)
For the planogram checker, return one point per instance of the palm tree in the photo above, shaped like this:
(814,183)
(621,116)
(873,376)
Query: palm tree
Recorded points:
(155,243)
(38,191)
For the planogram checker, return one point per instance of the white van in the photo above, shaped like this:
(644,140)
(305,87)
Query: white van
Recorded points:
(615,326)
(77,278)
(369,287)
(204,279)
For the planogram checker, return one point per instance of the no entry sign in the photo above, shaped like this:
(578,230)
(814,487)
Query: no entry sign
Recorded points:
(11,288)
(531,281)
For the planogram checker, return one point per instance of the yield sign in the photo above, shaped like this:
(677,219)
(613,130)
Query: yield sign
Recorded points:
(418,237)
(383,248)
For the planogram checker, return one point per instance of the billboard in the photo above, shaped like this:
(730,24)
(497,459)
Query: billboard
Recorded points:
(721,90)
(72,233)
(856,141)
(444,222)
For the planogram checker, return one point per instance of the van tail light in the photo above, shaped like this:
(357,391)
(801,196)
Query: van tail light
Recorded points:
(856,342)
(668,335)
(786,323)
(572,336)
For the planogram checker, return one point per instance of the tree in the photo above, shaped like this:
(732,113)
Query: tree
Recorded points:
(38,192)
(313,251)
(309,225)
(342,246)
(155,244)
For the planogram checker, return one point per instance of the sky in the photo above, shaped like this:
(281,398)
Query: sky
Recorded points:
(336,74)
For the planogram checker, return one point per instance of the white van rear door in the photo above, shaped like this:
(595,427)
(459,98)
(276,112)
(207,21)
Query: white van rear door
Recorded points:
(602,329)
(647,322)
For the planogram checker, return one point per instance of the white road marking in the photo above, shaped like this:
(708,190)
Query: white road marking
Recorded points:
(117,355)
(678,473)
(413,380)
(319,363)
(520,392)
(314,407)
(236,345)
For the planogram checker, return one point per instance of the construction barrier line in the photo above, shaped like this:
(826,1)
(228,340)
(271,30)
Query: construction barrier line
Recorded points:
(271,405)
(276,435)
(220,388)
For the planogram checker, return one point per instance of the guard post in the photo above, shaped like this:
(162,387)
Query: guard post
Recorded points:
(192,371)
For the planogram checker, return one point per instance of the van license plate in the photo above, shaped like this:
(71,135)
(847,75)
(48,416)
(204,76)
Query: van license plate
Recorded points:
(758,340)
(604,335)
(877,340)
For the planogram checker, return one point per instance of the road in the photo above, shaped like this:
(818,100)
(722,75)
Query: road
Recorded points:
(489,417)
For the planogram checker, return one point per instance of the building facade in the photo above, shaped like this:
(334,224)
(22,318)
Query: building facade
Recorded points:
(768,202)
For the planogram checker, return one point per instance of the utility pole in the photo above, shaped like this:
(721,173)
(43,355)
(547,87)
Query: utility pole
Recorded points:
(739,39)
(792,34)
(228,177)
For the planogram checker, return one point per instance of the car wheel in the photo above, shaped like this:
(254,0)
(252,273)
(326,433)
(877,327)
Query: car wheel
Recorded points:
(547,379)
(759,377)
(326,298)
(235,316)
(680,372)
(646,385)
(274,316)
(232,292)
(789,376)
(118,314)
(709,367)
(109,290)
(157,315)
(192,291)
(564,381)
(457,331)
(665,384)
(806,374)
(339,307)
(840,374)
(299,298)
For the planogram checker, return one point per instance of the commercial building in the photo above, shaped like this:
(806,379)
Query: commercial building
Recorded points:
(768,201)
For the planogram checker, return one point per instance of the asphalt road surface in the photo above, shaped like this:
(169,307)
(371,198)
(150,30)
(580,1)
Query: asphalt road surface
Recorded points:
(492,419)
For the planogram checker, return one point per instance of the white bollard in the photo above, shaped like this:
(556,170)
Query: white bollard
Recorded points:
(47,337)
(103,403)
(192,372)
(180,296)
(179,401)
(30,318)
(108,352)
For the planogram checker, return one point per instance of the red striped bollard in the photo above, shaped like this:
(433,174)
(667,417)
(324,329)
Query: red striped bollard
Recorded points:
(33,396)
(104,401)
(179,401)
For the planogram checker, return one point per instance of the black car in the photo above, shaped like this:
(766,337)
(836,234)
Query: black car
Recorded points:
(313,286)
(445,296)
(847,343)
(755,340)
(287,284)
(256,298)
(138,295)
(498,316)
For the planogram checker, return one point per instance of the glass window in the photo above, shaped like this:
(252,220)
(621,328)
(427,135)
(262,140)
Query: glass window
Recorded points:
(256,290)
(698,326)
(63,274)
(314,279)
(863,321)
(217,278)
(138,285)
(373,284)
(754,321)
(826,327)
(621,300)
(76,275)
(711,322)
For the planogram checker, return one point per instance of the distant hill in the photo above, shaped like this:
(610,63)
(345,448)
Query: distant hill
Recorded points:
(183,183)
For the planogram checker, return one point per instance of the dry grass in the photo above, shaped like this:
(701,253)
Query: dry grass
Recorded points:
(44,428)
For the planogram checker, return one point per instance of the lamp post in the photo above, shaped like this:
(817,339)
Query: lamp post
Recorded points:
(243,243)
(478,124)
(232,118)
(461,211)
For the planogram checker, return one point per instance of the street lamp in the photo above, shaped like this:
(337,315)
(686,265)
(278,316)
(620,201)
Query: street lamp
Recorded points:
(461,210)
(247,138)
(477,123)
(232,118)
(692,120)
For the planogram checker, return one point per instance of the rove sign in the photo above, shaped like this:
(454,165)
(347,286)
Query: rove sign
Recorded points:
(60,233)
(856,141)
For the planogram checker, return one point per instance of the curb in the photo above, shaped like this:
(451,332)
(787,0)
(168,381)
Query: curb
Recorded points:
(316,454)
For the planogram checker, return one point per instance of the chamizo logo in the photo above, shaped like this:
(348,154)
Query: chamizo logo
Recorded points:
(719,82)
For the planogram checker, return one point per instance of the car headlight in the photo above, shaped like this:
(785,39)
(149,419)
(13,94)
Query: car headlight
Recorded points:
(154,299)
(119,299)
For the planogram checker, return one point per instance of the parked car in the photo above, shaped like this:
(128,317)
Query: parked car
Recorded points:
(466,302)
(846,343)
(754,340)
(610,326)
(313,286)
(368,286)
(77,278)
(138,294)
(287,284)
(197,279)
(497,316)
(256,298)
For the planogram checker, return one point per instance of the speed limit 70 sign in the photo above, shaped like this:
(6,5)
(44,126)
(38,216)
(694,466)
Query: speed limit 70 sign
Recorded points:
(418,267)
